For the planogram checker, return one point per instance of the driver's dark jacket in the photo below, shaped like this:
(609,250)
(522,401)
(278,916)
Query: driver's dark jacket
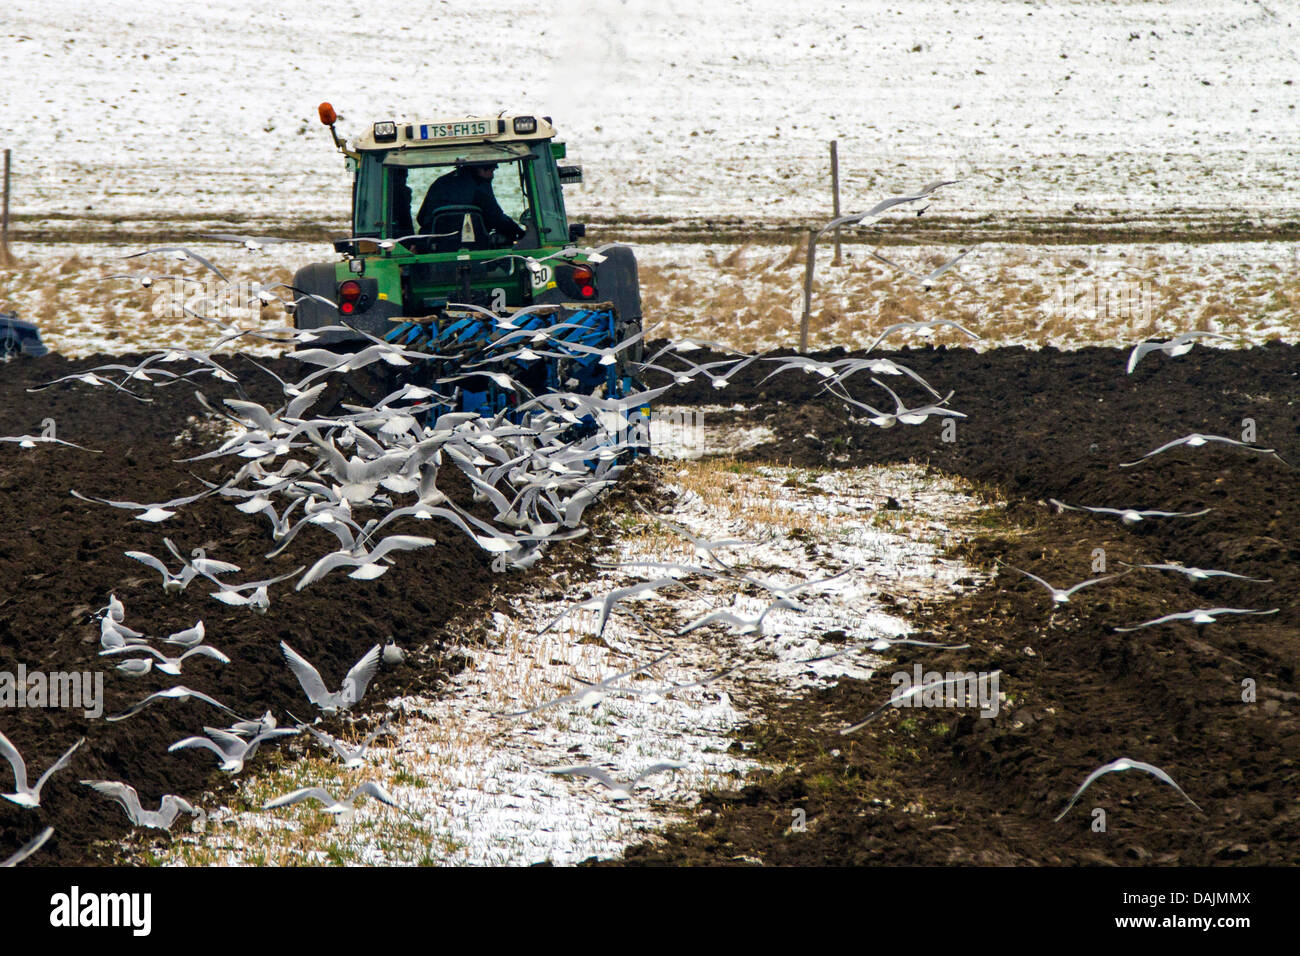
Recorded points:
(462,188)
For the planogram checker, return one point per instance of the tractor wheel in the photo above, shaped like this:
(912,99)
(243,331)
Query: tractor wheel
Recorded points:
(316,279)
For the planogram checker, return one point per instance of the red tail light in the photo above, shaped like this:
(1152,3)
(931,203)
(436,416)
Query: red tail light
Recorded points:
(585,279)
(349,292)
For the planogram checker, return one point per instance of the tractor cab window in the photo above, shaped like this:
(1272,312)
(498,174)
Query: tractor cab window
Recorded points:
(470,198)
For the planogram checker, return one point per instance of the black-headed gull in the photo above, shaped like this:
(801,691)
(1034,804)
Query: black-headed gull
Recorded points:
(1060,595)
(173,693)
(340,808)
(913,691)
(1179,345)
(1197,440)
(1199,617)
(168,810)
(618,789)
(232,749)
(29,797)
(1130,516)
(354,684)
(1197,574)
(1125,763)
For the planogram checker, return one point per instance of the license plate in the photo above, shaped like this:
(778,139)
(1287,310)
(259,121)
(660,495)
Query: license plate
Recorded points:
(468,128)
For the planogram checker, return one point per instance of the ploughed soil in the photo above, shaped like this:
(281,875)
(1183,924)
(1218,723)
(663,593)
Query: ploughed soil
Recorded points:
(917,786)
(941,785)
(61,557)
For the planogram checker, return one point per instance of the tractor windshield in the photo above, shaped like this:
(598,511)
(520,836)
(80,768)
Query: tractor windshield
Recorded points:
(448,194)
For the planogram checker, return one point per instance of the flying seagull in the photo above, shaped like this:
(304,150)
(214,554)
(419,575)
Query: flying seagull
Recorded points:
(1199,617)
(161,819)
(352,757)
(1130,516)
(591,694)
(179,581)
(607,602)
(1198,574)
(1059,595)
(1196,440)
(742,625)
(911,692)
(618,790)
(340,808)
(251,243)
(1179,345)
(182,254)
(167,665)
(24,795)
(47,436)
(354,684)
(173,693)
(919,326)
(1125,763)
(231,748)
(148,512)
(927,280)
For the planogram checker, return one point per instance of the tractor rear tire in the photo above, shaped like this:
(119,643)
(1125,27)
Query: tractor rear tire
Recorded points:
(315,279)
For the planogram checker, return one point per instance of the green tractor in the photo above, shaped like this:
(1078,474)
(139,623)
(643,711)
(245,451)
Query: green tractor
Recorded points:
(431,264)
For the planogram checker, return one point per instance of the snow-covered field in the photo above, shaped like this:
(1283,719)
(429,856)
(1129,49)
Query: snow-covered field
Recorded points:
(678,109)
(479,787)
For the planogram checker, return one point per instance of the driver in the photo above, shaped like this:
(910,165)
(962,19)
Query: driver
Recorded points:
(468,185)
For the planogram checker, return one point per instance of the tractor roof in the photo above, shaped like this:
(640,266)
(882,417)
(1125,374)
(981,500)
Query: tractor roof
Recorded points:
(393,134)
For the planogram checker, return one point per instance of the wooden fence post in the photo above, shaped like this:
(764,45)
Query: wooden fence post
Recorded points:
(5,257)
(807,291)
(835,196)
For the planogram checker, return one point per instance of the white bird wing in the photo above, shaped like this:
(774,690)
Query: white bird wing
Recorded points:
(206,650)
(307,675)
(333,743)
(148,560)
(298,796)
(1033,577)
(595,773)
(400,542)
(202,742)
(10,753)
(123,793)
(1141,349)
(361,674)
(1161,775)
(29,848)
(1089,583)
(655,768)
(58,765)
(375,790)
(325,565)
(1181,616)
(1121,764)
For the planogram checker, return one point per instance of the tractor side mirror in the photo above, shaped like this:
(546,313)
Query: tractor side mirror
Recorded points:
(577,230)
(570,175)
